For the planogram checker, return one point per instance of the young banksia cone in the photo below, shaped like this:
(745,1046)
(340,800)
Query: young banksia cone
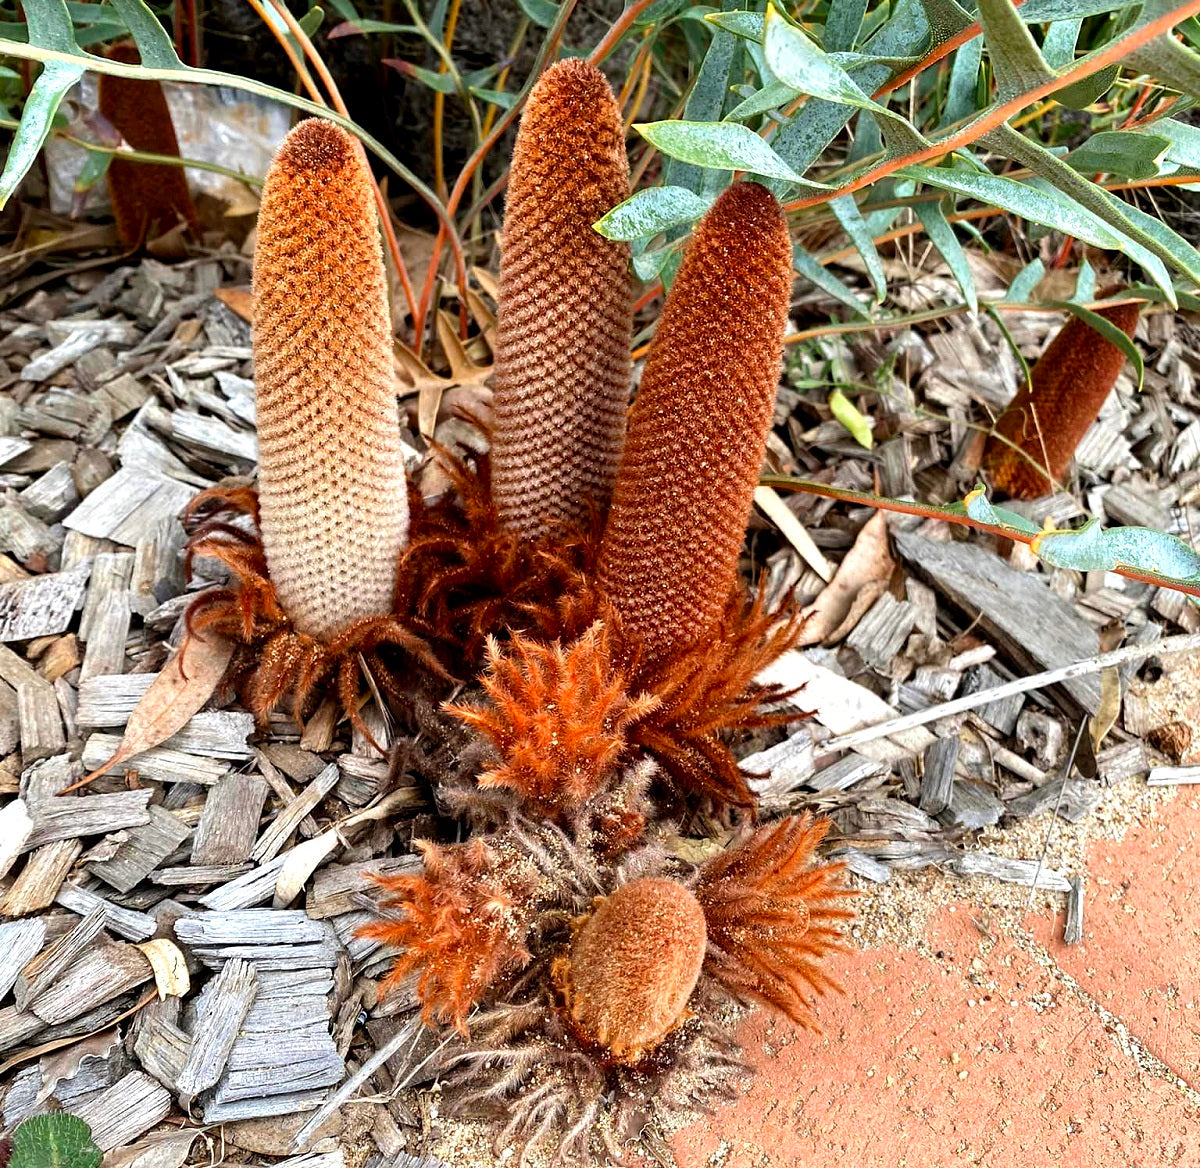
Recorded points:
(562,376)
(1053,410)
(332,491)
(558,718)
(148,199)
(698,429)
(772,916)
(633,965)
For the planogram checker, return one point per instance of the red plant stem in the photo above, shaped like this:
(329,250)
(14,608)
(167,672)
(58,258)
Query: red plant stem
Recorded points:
(1117,50)
(946,515)
(618,30)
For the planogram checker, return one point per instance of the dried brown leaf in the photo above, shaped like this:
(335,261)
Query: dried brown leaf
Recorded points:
(867,562)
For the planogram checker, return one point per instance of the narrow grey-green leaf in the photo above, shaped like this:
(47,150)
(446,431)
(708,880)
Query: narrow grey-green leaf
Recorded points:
(1184,148)
(816,273)
(650,211)
(50,25)
(772,95)
(962,96)
(1058,45)
(37,118)
(942,236)
(1092,548)
(1016,60)
(748,25)
(1020,291)
(153,43)
(1085,283)
(842,24)
(1129,153)
(978,507)
(1088,90)
(721,145)
(849,216)
(1050,11)
(540,12)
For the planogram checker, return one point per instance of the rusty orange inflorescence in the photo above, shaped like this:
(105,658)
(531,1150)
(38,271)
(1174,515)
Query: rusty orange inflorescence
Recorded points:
(148,199)
(1050,414)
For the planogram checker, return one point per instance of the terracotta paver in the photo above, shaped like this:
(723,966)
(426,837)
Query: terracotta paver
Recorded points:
(970,1052)
(1140,956)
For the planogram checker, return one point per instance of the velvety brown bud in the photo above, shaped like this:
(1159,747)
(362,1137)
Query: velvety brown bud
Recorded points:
(1051,413)
(698,429)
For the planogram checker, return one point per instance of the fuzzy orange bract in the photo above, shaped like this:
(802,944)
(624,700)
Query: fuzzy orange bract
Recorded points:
(461,924)
(1052,412)
(633,965)
(773,916)
(698,430)
(558,717)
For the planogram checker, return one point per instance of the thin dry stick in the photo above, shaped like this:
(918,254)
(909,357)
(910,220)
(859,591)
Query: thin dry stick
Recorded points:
(1057,805)
(1185,643)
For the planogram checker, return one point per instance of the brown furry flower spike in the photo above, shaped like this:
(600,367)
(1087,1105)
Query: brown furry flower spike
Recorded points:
(1050,414)
(565,321)
(148,199)
(314,588)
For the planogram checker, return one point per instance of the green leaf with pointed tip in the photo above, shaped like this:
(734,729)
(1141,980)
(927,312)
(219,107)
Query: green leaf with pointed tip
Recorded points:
(845,411)
(720,145)
(1093,549)
(1085,283)
(1016,60)
(772,95)
(976,506)
(56,1140)
(1184,148)
(1025,281)
(37,119)
(849,216)
(962,95)
(650,211)
(1128,153)
(748,25)
(942,236)
(1084,93)
(824,279)
(312,20)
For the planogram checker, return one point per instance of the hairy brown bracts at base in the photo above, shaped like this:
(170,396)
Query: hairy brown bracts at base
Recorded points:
(274,662)
(773,917)
(465,577)
(1044,424)
(148,199)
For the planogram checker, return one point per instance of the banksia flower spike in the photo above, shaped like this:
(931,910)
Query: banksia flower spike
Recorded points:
(314,587)
(562,377)
(633,965)
(698,430)
(148,199)
(1051,412)
(558,718)
(773,917)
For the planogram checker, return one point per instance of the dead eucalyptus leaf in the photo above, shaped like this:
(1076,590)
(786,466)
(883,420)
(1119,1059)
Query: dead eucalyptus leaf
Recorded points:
(62,1065)
(302,861)
(237,300)
(868,560)
(186,682)
(170,967)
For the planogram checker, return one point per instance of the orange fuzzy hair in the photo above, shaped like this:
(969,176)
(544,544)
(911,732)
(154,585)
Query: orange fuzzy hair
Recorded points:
(772,918)
(333,497)
(565,318)
(465,577)
(1051,412)
(633,965)
(462,923)
(148,199)
(559,719)
(698,430)
(274,661)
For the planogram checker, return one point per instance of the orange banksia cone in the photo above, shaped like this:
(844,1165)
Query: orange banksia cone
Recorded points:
(698,429)
(1051,413)
(562,350)
(148,199)
(332,491)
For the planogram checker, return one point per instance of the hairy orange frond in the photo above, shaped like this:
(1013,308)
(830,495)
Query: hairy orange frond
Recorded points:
(773,917)
(1051,412)
(332,488)
(698,429)
(559,719)
(461,924)
(565,317)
